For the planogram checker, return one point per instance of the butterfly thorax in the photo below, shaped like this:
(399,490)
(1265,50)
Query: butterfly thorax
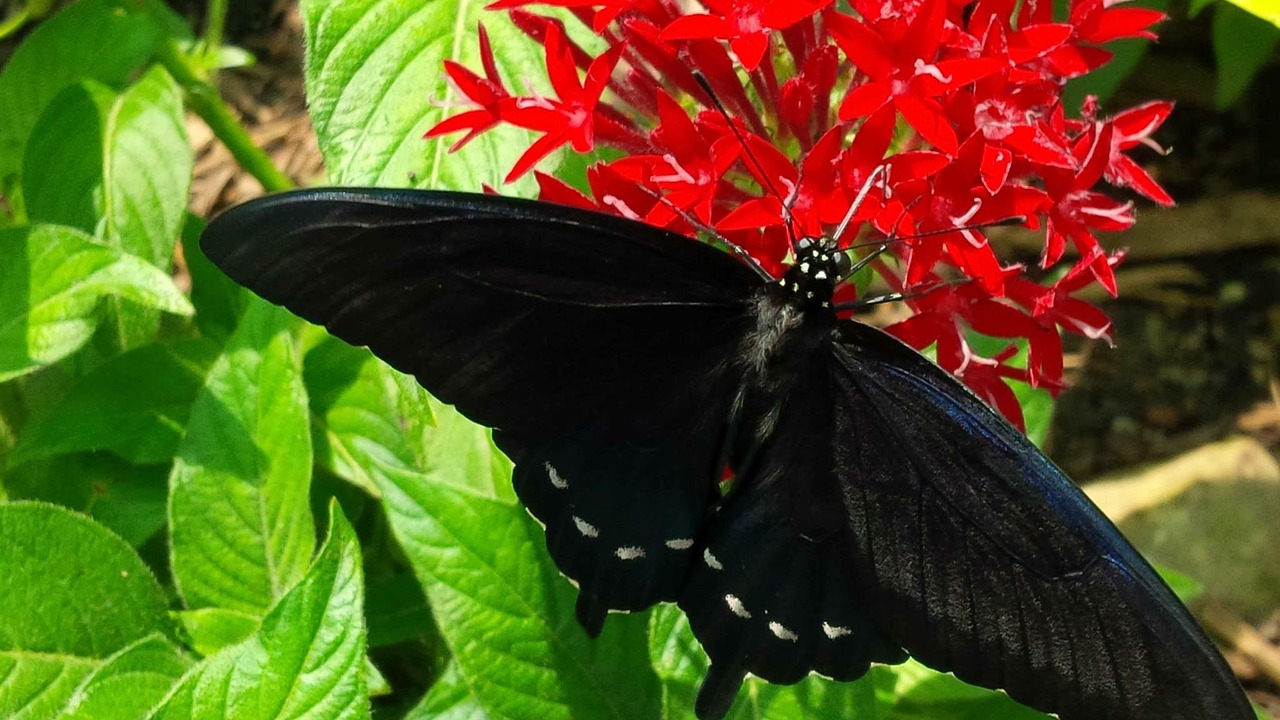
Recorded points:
(812,280)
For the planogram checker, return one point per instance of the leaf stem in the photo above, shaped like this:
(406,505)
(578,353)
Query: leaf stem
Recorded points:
(215,19)
(203,98)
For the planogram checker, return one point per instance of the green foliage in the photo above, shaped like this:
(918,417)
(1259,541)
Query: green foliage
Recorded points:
(168,458)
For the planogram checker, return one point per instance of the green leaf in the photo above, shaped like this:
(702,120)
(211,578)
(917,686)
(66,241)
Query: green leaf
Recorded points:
(128,499)
(397,611)
(374,68)
(113,164)
(1184,586)
(448,699)
(74,594)
(94,39)
(129,683)
(135,405)
(218,300)
(924,694)
(1105,80)
(212,629)
(240,526)
(51,280)
(508,617)
(371,423)
(1268,10)
(1243,43)
(307,659)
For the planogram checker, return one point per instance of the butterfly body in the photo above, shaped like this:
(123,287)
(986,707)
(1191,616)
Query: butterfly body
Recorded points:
(876,507)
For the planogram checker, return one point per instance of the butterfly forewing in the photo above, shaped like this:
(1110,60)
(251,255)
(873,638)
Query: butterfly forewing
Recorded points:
(982,558)
(597,347)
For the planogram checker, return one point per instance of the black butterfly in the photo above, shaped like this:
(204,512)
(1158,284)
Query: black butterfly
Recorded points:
(877,506)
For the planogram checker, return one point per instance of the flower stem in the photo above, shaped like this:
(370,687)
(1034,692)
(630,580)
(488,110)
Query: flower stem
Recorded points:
(203,98)
(215,19)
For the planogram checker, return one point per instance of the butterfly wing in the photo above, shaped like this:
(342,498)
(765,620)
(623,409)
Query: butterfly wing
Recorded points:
(596,346)
(774,591)
(983,559)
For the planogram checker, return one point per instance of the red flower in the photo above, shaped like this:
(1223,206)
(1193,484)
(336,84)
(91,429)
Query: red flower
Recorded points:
(922,120)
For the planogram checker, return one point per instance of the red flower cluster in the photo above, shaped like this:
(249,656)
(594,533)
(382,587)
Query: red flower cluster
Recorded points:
(950,112)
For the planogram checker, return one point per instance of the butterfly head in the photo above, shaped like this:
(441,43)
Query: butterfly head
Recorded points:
(818,268)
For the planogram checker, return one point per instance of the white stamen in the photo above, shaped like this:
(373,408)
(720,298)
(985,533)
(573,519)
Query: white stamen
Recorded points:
(924,68)
(679,175)
(680,543)
(614,202)
(736,606)
(782,632)
(586,528)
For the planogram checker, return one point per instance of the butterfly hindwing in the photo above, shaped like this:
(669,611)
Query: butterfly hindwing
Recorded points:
(982,558)
(773,591)
(596,347)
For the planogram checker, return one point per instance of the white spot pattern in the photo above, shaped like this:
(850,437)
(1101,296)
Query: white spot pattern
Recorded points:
(782,632)
(630,552)
(680,543)
(835,631)
(557,482)
(736,607)
(711,560)
(584,527)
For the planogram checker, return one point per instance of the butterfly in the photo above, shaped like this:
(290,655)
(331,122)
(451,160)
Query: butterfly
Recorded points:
(876,508)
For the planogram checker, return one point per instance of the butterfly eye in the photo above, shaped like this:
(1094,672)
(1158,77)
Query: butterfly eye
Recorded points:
(843,264)
(804,244)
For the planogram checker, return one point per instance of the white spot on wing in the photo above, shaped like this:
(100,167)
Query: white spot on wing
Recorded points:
(835,631)
(736,606)
(782,632)
(557,482)
(584,527)
(680,543)
(820,275)
(630,552)
(711,560)
(804,267)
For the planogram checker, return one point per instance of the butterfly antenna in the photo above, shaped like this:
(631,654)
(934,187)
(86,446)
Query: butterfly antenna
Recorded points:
(705,228)
(900,296)
(857,202)
(746,149)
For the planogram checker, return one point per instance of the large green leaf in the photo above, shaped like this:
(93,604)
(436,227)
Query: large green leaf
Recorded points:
(114,164)
(128,499)
(372,423)
(74,594)
(240,527)
(448,699)
(924,694)
(135,405)
(306,660)
(51,281)
(1268,10)
(508,616)
(129,683)
(93,39)
(1243,43)
(375,76)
